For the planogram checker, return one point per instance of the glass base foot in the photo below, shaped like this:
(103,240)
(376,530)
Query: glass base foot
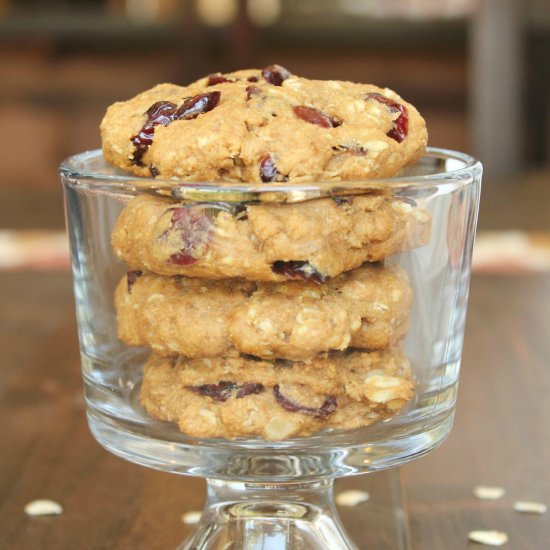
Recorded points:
(253,516)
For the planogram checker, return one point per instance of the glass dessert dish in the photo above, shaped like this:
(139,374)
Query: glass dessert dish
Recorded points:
(295,407)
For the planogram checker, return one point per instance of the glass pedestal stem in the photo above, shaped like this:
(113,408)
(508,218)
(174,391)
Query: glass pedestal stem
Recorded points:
(269,516)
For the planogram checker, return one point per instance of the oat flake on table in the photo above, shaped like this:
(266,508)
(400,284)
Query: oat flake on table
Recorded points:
(43,507)
(190,518)
(530,507)
(353,497)
(490,538)
(485,492)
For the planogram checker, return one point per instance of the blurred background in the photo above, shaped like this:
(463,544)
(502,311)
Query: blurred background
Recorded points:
(477,70)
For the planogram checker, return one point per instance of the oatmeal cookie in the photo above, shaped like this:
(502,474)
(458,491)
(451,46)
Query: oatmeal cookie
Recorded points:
(263,126)
(312,240)
(366,308)
(233,397)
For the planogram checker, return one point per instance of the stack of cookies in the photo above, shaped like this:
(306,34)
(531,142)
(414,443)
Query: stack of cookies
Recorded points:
(267,319)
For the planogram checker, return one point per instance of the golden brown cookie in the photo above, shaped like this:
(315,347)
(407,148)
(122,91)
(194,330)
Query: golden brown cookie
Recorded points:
(365,308)
(264,126)
(312,240)
(234,397)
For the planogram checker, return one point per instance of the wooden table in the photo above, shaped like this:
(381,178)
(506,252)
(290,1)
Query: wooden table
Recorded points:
(501,434)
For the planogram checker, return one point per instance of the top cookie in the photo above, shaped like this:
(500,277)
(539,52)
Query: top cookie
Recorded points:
(263,126)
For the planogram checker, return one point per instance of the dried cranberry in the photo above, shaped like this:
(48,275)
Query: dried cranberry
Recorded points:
(218,392)
(268,170)
(194,227)
(283,363)
(296,269)
(194,106)
(180,258)
(223,390)
(252,90)
(161,112)
(131,277)
(400,127)
(252,79)
(314,116)
(275,74)
(250,357)
(214,79)
(341,200)
(326,409)
(239,211)
(249,388)
(165,112)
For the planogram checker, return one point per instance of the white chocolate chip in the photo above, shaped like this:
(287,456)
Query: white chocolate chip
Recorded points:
(490,538)
(395,404)
(190,518)
(530,507)
(279,428)
(381,396)
(209,416)
(293,83)
(203,140)
(382,389)
(421,216)
(345,342)
(383,382)
(375,145)
(265,325)
(353,497)
(43,507)
(396,294)
(403,207)
(488,493)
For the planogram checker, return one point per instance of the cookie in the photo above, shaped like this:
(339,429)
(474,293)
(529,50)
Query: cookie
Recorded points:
(241,397)
(365,308)
(312,240)
(263,126)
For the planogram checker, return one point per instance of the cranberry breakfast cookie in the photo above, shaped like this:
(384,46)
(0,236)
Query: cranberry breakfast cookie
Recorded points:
(366,308)
(308,241)
(263,126)
(233,397)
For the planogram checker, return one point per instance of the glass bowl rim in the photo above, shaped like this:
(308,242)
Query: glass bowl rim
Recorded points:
(71,168)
